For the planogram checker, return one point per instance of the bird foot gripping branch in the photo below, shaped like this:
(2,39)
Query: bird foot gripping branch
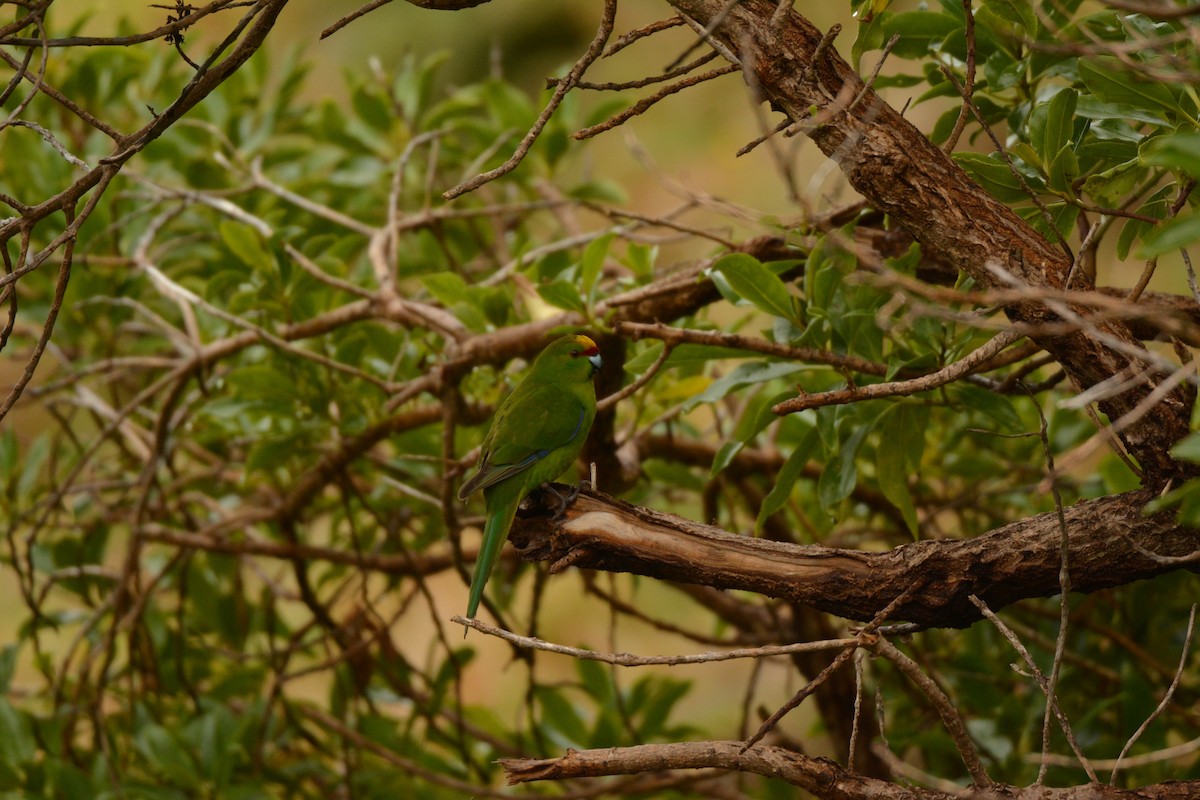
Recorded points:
(563,499)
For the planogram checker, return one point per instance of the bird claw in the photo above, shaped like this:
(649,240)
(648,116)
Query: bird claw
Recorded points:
(564,500)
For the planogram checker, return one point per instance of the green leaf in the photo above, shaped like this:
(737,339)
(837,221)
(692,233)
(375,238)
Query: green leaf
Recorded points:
(448,288)
(562,294)
(994,406)
(264,383)
(560,714)
(247,246)
(268,455)
(685,355)
(920,32)
(17,745)
(640,258)
(510,106)
(465,302)
(1009,18)
(757,415)
(601,191)
(1062,219)
(216,744)
(870,37)
(1113,82)
(666,692)
(893,482)
(840,475)
(1028,154)
(744,375)
(1186,498)
(695,354)
(552,265)
(1188,449)
(1002,71)
(596,680)
(791,470)
(371,108)
(764,289)
(1135,229)
(165,754)
(10,454)
(8,667)
(1171,235)
(593,259)
(1113,184)
(901,446)
(1094,108)
(994,175)
(725,455)
(1060,121)
(828,265)
(31,465)
(1178,151)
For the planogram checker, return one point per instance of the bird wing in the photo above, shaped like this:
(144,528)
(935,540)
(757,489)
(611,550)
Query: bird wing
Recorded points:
(529,425)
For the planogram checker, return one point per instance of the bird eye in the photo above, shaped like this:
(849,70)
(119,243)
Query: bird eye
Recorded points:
(574,354)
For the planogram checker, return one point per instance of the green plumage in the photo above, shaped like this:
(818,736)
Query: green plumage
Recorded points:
(536,435)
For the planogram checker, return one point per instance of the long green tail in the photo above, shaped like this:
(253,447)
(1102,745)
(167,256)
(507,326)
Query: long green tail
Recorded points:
(495,531)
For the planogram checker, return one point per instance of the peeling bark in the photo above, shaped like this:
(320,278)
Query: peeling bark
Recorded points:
(820,776)
(1011,563)
(892,164)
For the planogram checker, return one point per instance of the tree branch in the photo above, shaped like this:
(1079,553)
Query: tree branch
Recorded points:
(892,164)
(1011,563)
(820,776)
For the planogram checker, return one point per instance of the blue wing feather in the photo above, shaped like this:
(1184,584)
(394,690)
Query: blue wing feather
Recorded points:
(547,423)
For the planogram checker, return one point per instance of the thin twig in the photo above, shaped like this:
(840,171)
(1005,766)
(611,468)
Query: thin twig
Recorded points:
(1012,167)
(1170,693)
(1051,700)
(810,69)
(590,55)
(1144,407)
(642,380)
(50,139)
(634,35)
(865,637)
(645,103)
(968,91)
(353,15)
(631,660)
(1064,583)
(678,336)
(639,83)
(947,374)
(951,719)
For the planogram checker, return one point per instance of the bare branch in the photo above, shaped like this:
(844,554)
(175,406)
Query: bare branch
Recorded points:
(952,372)
(1010,563)
(1051,698)
(1167,696)
(819,776)
(631,660)
(945,708)
(593,52)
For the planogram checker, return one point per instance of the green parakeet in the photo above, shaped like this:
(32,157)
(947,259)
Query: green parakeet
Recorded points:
(536,435)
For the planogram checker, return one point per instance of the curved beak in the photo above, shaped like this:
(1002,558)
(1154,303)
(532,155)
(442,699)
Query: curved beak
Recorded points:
(596,362)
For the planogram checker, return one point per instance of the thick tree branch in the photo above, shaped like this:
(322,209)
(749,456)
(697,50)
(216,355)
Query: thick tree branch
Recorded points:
(1112,543)
(892,164)
(820,776)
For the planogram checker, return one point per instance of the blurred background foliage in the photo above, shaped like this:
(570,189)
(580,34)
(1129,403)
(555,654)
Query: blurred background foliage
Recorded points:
(231,547)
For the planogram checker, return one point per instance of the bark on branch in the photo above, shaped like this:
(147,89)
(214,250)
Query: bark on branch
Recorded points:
(820,776)
(1112,543)
(892,164)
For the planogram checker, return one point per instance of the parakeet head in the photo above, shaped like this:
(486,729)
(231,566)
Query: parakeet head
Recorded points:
(575,357)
